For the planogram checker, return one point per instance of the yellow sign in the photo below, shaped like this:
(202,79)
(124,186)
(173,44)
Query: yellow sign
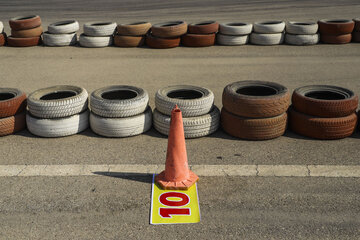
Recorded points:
(174,206)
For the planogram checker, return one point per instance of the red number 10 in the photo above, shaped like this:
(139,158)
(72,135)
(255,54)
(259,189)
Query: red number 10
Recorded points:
(167,212)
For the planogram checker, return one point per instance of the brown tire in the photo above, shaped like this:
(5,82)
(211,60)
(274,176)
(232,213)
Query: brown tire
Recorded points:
(198,40)
(169,29)
(336,39)
(336,27)
(33,32)
(322,128)
(207,27)
(325,101)
(12,101)
(356,36)
(256,99)
(128,41)
(134,29)
(161,43)
(357,24)
(12,124)
(24,22)
(253,128)
(2,39)
(23,42)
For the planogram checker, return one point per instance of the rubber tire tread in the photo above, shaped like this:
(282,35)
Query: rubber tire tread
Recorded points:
(262,27)
(194,127)
(59,40)
(230,29)
(12,124)
(297,28)
(253,128)
(169,31)
(230,40)
(128,41)
(134,29)
(336,39)
(64,27)
(12,106)
(17,25)
(328,28)
(322,128)
(324,108)
(207,27)
(198,40)
(255,106)
(266,39)
(118,108)
(188,107)
(162,43)
(58,127)
(121,127)
(95,42)
(58,108)
(34,32)
(3,38)
(23,42)
(302,40)
(99,30)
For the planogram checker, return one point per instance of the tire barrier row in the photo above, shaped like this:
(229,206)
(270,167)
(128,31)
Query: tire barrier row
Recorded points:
(253,110)
(27,31)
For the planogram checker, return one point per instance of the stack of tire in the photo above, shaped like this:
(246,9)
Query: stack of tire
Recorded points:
(2,35)
(120,111)
(131,35)
(234,34)
(61,33)
(97,34)
(25,31)
(58,111)
(200,116)
(356,32)
(323,112)
(201,34)
(268,33)
(166,35)
(12,111)
(302,33)
(255,110)
(336,31)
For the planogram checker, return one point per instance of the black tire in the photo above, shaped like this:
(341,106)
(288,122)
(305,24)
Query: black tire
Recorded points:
(119,101)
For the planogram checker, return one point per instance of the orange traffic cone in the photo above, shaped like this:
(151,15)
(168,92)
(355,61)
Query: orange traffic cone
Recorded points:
(177,174)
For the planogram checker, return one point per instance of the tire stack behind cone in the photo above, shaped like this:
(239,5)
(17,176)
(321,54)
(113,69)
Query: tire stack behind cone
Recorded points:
(302,33)
(58,111)
(268,33)
(131,35)
(12,111)
(255,110)
(200,116)
(201,34)
(166,35)
(323,112)
(356,32)
(25,31)
(97,34)
(61,34)
(2,34)
(336,31)
(120,111)
(234,34)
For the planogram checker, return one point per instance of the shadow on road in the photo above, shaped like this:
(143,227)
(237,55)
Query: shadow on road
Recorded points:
(138,177)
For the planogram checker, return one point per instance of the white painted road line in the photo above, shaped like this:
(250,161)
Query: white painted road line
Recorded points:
(201,170)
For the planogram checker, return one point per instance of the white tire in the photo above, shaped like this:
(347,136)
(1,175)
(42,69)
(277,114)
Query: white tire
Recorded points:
(269,27)
(58,101)
(302,28)
(121,127)
(95,42)
(64,27)
(235,28)
(229,40)
(266,39)
(1,27)
(99,29)
(192,100)
(302,39)
(119,101)
(194,127)
(58,127)
(59,40)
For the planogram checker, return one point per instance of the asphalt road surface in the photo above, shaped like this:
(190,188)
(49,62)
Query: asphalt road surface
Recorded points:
(104,207)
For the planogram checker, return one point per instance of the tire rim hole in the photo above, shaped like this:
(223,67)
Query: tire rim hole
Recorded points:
(185,94)
(100,24)
(257,91)
(27,17)
(171,24)
(137,23)
(237,24)
(119,95)
(6,96)
(271,22)
(204,23)
(338,21)
(325,95)
(58,95)
(64,23)
(303,24)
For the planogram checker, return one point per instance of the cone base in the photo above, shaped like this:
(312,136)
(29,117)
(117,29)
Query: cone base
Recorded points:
(180,185)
